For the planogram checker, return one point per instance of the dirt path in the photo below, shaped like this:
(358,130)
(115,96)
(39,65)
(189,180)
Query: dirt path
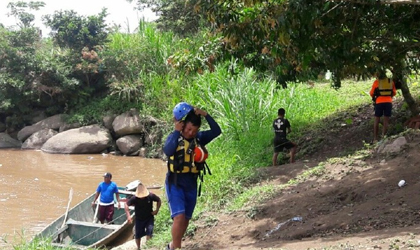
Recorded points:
(350,199)
(351,202)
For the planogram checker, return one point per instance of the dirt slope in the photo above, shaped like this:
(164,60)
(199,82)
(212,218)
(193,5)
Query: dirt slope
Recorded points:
(354,204)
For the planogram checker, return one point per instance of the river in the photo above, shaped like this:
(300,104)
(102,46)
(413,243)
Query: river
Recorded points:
(35,186)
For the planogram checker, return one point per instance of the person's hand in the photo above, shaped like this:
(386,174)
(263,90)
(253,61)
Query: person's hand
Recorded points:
(119,205)
(199,111)
(179,125)
(155,212)
(93,204)
(130,220)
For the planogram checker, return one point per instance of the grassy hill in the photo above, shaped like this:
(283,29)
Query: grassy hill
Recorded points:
(344,190)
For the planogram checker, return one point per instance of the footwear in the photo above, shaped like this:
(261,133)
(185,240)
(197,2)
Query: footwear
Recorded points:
(169,248)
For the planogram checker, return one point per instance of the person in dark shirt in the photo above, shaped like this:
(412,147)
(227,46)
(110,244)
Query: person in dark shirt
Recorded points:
(281,128)
(183,169)
(145,215)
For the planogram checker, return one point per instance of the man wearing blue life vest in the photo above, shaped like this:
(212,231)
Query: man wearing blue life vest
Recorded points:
(185,148)
(281,127)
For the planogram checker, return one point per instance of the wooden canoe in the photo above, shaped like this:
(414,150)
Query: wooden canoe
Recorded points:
(79,230)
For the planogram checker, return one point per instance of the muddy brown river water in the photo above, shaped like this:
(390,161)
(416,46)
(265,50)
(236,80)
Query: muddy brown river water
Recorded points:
(35,186)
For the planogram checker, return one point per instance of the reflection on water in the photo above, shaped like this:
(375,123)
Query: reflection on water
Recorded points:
(35,186)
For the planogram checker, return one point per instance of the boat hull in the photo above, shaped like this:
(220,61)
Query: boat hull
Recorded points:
(80,230)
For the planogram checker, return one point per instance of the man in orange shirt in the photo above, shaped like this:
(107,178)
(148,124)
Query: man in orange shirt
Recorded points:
(382,91)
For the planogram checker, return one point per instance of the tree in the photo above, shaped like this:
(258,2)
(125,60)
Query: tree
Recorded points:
(350,38)
(76,32)
(21,9)
(84,36)
(182,17)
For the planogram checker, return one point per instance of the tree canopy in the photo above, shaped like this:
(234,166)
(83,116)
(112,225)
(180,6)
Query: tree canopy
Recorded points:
(350,38)
(179,16)
(21,9)
(74,31)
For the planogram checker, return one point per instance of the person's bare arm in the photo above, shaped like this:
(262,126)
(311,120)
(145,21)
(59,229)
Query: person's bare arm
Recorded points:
(94,199)
(117,195)
(127,212)
(158,204)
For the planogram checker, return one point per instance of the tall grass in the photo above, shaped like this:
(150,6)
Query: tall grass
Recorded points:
(137,68)
(144,51)
(245,105)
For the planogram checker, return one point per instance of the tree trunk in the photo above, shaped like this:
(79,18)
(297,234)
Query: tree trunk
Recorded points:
(412,105)
(400,72)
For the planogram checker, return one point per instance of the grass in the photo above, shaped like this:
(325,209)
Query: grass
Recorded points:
(245,106)
(20,242)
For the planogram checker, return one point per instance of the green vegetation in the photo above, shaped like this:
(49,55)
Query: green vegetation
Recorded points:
(245,113)
(20,243)
(87,70)
(44,244)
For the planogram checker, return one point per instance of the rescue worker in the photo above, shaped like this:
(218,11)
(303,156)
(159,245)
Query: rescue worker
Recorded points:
(382,91)
(183,172)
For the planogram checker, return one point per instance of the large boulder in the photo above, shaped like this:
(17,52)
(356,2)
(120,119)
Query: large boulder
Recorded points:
(67,126)
(130,144)
(8,142)
(53,122)
(37,139)
(91,139)
(128,123)
(107,120)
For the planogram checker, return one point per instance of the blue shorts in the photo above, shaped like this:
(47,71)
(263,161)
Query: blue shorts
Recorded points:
(383,109)
(144,227)
(181,199)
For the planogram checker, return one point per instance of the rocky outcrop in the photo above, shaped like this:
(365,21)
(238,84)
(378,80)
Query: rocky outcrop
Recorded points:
(37,139)
(107,120)
(8,142)
(128,134)
(88,139)
(53,122)
(128,123)
(67,126)
(392,147)
(130,144)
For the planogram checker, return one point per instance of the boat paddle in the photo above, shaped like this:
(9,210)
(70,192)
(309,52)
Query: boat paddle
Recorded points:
(96,210)
(67,210)
(68,206)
